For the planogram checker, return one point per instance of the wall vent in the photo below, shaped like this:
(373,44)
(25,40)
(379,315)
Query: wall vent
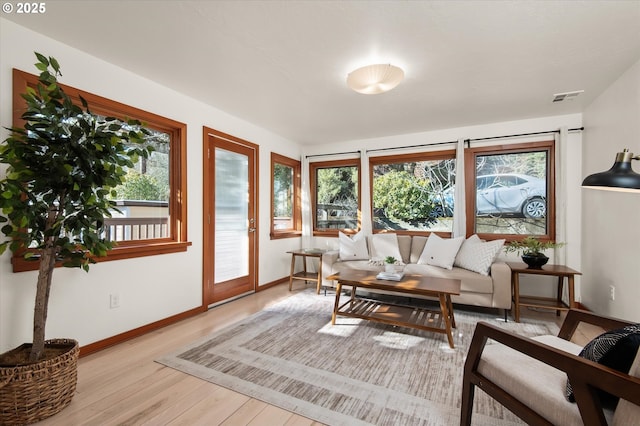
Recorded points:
(566,96)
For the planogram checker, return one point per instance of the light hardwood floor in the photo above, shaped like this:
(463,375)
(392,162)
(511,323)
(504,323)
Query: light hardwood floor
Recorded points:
(122,385)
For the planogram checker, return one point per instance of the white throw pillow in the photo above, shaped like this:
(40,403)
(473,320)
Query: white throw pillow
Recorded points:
(477,255)
(440,251)
(383,245)
(353,248)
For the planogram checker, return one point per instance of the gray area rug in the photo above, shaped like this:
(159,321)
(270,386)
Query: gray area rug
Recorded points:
(353,373)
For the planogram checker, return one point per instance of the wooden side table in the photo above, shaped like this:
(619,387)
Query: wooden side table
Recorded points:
(305,275)
(560,271)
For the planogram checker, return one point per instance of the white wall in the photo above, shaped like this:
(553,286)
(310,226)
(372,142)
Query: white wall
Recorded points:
(568,230)
(150,288)
(611,233)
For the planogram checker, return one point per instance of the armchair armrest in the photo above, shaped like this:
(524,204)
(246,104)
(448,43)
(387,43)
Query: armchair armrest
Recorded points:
(576,316)
(585,376)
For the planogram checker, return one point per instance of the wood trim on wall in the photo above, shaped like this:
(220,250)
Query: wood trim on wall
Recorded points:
(140,331)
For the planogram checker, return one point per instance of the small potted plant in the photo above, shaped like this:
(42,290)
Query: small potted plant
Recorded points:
(531,250)
(390,263)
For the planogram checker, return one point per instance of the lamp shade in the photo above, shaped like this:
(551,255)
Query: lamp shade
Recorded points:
(620,177)
(374,79)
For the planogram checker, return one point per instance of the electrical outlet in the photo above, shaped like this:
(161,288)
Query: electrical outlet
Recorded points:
(612,292)
(114,300)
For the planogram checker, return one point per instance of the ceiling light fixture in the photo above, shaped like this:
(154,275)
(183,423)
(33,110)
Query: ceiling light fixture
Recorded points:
(620,177)
(374,79)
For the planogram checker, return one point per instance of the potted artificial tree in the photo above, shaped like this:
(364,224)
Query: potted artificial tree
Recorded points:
(63,166)
(532,250)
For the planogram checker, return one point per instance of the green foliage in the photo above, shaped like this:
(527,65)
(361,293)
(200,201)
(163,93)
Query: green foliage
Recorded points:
(140,187)
(530,245)
(62,168)
(402,196)
(390,260)
(338,185)
(282,188)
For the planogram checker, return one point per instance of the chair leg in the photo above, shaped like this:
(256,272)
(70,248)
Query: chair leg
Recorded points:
(466,409)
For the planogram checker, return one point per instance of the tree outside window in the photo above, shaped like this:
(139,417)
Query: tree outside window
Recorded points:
(152,203)
(336,199)
(413,192)
(285,197)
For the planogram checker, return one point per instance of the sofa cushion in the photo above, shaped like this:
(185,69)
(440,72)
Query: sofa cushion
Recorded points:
(384,245)
(363,265)
(440,251)
(615,349)
(353,248)
(417,246)
(469,281)
(477,255)
(404,244)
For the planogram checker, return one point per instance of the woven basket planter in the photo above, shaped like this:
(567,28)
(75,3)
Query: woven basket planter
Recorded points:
(30,393)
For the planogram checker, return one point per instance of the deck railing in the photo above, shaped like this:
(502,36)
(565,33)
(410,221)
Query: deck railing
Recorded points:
(136,228)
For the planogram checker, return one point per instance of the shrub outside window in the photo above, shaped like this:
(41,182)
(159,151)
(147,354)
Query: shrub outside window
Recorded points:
(412,193)
(335,192)
(152,203)
(510,191)
(286,216)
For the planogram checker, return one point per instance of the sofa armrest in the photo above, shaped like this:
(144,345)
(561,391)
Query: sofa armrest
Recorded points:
(501,275)
(328,259)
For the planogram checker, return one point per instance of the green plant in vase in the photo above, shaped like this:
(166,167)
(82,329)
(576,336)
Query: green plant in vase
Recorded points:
(532,249)
(390,264)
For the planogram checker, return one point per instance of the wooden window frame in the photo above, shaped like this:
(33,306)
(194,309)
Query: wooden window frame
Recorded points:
(407,158)
(313,167)
(177,240)
(296,165)
(470,178)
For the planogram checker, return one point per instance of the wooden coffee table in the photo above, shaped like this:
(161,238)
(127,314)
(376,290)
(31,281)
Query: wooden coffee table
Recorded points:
(400,315)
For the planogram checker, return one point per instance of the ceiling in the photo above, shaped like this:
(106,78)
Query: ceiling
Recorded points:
(282,65)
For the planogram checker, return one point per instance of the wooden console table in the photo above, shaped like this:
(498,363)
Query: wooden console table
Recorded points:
(560,271)
(305,275)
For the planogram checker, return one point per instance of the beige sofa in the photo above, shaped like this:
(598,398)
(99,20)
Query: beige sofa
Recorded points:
(493,291)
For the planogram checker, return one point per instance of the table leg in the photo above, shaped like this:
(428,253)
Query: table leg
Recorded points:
(560,288)
(447,318)
(319,276)
(572,294)
(515,280)
(337,304)
(304,263)
(293,266)
(450,307)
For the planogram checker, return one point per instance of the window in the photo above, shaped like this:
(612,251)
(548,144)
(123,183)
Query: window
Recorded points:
(510,191)
(153,202)
(413,192)
(286,216)
(335,192)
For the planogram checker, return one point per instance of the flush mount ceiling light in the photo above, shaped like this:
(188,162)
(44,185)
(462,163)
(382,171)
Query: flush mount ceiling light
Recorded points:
(374,79)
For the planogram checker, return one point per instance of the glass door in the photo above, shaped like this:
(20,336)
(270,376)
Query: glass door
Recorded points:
(232,221)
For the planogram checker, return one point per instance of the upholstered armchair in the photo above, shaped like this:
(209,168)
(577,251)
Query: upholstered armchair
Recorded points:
(529,376)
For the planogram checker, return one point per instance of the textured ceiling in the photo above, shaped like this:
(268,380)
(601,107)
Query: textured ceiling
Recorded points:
(282,65)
